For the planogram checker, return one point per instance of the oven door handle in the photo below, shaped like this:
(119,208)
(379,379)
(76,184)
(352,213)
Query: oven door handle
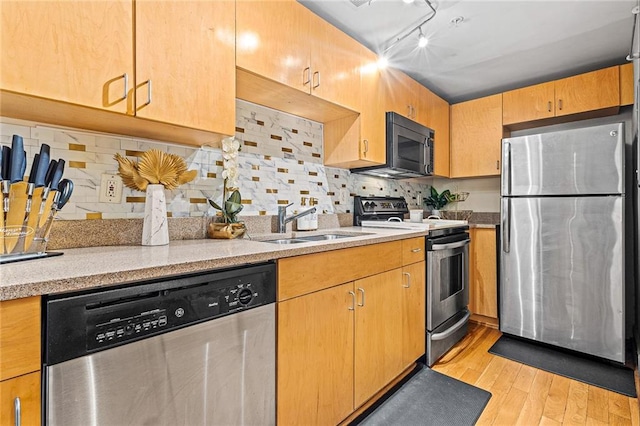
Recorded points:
(455,327)
(450,246)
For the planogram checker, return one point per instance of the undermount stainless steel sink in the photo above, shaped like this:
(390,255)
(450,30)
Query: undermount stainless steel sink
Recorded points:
(310,238)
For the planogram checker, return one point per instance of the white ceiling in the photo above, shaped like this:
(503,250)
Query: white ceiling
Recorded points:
(499,46)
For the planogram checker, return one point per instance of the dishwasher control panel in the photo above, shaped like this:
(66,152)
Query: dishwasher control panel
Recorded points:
(94,321)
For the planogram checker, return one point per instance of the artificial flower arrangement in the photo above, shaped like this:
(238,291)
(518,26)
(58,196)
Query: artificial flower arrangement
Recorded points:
(154,167)
(231,204)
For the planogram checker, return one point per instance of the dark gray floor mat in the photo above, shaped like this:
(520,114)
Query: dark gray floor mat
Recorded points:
(429,398)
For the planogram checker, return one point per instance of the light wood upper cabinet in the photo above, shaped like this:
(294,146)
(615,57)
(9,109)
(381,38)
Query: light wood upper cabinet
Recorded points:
(185,71)
(476,134)
(529,103)
(483,285)
(434,113)
(586,92)
(590,91)
(273,41)
(401,93)
(315,357)
(626,84)
(413,312)
(72,51)
(335,64)
(378,342)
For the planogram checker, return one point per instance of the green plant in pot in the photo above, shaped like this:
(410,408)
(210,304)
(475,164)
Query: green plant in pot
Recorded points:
(438,201)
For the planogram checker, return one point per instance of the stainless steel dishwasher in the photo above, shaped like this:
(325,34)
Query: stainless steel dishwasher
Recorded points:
(187,350)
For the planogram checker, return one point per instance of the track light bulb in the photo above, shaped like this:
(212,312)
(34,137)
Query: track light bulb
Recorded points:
(422,39)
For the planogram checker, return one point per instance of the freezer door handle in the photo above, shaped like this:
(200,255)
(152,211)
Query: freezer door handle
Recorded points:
(506,225)
(506,168)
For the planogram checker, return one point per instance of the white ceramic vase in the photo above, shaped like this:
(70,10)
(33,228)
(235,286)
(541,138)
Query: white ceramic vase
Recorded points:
(435,212)
(155,229)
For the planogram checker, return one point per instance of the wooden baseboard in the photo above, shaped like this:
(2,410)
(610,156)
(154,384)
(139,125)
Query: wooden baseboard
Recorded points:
(377,396)
(486,321)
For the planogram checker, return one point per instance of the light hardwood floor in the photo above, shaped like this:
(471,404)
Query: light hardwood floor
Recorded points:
(523,395)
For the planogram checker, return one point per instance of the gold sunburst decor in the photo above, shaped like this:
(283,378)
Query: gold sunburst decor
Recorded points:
(154,167)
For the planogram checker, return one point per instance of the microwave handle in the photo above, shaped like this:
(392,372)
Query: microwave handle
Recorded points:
(428,146)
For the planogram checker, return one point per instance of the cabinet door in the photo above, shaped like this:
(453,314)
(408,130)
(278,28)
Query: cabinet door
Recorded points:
(25,388)
(483,285)
(72,51)
(335,64)
(587,92)
(413,313)
(185,63)
(372,116)
(434,113)
(399,91)
(476,134)
(378,343)
(315,357)
(272,41)
(528,104)
(626,84)
(19,337)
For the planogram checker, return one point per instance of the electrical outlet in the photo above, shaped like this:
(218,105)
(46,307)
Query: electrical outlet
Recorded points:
(110,189)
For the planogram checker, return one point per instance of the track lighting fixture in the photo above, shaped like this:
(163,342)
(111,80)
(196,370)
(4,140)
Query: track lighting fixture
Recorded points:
(422,39)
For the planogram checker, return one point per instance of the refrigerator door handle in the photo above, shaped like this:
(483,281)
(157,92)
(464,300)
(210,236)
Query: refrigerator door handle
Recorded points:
(506,225)
(506,168)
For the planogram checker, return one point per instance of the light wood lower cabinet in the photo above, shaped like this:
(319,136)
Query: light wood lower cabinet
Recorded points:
(22,390)
(483,283)
(413,312)
(340,344)
(20,360)
(315,357)
(378,341)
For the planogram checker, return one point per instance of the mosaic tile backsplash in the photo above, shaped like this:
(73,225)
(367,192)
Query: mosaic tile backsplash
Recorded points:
(280,163)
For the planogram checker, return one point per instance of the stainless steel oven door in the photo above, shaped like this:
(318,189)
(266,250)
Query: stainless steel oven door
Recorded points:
(447,277)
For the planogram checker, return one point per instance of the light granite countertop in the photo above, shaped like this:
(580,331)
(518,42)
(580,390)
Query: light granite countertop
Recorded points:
(93,267)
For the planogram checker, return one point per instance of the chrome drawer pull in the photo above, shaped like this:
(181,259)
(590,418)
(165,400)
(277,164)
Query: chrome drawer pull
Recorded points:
(17,411)
(416,250)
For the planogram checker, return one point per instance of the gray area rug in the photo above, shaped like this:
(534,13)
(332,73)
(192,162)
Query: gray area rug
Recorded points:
(428,398)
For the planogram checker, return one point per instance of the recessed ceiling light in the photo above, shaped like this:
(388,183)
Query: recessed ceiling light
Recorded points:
(408,1)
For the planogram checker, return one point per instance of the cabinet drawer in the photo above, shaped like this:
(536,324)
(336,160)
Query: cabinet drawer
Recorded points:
(27,388)
(19,337)
(312,272)
(412,250)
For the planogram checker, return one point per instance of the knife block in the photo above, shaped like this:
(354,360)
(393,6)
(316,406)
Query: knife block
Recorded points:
(22,232)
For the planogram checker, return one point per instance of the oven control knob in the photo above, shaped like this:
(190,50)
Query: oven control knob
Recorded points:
(245,296)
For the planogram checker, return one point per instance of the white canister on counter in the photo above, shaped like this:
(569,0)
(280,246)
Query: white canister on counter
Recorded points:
(308,222)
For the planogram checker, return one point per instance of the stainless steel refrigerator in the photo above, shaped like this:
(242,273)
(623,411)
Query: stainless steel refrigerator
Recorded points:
(562,239)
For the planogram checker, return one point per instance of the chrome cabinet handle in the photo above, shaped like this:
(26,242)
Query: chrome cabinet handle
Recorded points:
(560,104)
(353,301)
(306,76)
(17,411)
(148,83)
(497,164)
(416,250)
(549,104)
(362,291)
(316,82)
(366,147)
(408,275)
(126,86)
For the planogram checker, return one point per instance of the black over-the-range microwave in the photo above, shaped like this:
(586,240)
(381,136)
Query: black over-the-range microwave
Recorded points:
(409,150)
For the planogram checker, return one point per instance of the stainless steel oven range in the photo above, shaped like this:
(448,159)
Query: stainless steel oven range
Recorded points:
(447,289)
(447,269)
